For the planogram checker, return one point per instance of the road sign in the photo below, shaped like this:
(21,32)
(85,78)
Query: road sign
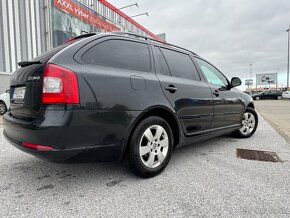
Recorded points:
(248,82)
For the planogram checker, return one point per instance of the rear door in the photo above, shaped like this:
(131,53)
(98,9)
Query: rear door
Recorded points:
(188,94)
(275,94)
(228,105)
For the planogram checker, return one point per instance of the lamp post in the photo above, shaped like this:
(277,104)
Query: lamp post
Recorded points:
(288,59)
(137,15)
(251,77)
(129,6)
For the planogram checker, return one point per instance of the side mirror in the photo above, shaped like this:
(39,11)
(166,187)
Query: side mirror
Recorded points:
(8,91)
(236,81)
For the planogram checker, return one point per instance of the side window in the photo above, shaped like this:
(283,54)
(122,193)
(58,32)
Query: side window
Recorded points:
(180,64)
(120,54)
(212,75)
(163,67)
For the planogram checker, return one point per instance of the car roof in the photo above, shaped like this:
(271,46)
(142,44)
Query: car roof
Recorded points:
(135,37)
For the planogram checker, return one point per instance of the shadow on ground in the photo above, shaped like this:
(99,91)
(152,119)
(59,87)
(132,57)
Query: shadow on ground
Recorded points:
(32,170)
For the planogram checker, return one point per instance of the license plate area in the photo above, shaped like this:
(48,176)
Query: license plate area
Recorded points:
(19,93)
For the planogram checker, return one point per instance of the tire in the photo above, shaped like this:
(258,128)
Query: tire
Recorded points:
(249,124)
(257,98)
(3,108)
(151,146)
(279,97)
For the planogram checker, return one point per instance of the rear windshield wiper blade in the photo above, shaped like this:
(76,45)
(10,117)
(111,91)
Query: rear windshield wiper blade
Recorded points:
(27,63)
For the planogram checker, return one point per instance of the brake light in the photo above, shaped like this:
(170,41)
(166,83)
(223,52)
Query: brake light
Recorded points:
(70,40)
(60,85)
(36,146)
(286,93)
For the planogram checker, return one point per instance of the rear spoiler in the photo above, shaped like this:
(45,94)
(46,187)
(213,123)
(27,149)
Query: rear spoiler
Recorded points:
(80,37)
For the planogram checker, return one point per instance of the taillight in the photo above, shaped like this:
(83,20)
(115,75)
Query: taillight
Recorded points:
(60,85)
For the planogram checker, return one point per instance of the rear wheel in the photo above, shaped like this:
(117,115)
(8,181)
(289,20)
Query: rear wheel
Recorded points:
(279,97)
(249,124)
(151,147)
(257,98)
(3,108)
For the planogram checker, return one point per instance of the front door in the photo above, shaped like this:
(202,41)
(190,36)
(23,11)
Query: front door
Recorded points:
(228,105)
(266,95)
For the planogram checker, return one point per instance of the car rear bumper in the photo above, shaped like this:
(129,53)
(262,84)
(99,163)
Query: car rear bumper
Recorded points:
(71,135)
(97,153)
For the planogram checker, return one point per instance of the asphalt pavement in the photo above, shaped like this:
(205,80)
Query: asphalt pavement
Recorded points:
(277,113)
(205,180)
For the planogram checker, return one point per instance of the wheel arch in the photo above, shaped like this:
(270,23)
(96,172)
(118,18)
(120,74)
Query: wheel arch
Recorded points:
(251,105)
(160,111)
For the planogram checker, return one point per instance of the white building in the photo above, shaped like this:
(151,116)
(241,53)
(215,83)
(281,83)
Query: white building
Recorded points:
(30,27)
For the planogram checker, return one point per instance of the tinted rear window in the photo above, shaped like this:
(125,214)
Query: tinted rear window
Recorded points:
(119,53)
(44,57)
(180,64)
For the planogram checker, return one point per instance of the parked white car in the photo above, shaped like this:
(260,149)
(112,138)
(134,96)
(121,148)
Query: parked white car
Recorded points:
(4,102)
(286,94)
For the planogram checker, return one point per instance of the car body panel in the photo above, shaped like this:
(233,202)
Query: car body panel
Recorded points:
(112,103)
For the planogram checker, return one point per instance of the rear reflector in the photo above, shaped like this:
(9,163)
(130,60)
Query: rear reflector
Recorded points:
(36,146)
(60,85)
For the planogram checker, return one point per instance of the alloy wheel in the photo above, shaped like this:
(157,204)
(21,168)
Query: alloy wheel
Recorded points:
(153,147)
(248,123)
(2,108)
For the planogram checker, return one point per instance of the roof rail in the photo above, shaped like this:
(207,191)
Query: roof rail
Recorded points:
(151,39)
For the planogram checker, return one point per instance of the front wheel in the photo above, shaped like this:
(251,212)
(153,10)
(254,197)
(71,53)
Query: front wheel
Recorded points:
(151,147)
(249,124)
(257,98)
(279,97)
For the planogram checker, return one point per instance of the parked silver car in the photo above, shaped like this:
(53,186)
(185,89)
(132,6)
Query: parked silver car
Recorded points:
(4,102)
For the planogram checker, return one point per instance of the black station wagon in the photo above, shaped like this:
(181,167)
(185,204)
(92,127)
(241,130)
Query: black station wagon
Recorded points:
(115,95)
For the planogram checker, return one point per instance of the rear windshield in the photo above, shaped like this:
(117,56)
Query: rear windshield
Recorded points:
(44,57)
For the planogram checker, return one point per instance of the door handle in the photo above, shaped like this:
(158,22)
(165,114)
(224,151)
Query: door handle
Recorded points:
(171,88)
(216,93)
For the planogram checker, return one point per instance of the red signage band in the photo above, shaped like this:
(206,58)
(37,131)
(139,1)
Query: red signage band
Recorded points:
(84,14)
(122,14)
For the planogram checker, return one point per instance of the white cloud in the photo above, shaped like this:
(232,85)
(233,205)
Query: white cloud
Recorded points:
(231,34)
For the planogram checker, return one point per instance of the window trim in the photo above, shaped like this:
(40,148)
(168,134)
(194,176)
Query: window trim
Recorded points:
(155,48)
(96,42)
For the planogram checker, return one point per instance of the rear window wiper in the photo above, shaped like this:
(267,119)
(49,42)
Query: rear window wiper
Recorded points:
(27,63)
